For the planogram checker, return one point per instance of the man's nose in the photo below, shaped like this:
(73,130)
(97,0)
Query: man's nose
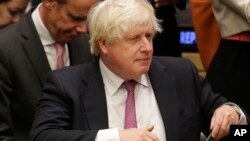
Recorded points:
(147,43)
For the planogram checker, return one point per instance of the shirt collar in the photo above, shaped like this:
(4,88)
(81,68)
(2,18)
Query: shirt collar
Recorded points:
(113,82)
(43,32)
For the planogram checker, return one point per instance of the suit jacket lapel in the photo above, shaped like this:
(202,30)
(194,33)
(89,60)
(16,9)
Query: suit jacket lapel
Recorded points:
(93,95)
(33,48)
(164,89)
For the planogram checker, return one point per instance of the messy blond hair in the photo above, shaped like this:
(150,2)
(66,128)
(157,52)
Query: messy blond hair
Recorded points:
(110,19)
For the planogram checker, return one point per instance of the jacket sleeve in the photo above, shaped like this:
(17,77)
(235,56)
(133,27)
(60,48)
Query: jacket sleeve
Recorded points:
(54,118)
(6,127)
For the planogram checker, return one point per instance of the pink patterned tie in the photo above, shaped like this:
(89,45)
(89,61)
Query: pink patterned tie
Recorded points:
(130,115)
(59,53)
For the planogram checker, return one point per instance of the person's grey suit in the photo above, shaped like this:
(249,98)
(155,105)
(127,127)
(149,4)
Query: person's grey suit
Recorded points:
(73,106)
(23,69)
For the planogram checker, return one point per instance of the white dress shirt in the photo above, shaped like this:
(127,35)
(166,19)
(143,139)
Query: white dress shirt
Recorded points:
(47,41)
(147,110)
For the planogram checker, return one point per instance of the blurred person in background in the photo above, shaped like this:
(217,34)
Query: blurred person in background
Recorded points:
(29,50)
(229,70)
(11,11)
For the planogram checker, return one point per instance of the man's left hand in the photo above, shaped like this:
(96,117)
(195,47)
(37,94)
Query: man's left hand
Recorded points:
(223,117)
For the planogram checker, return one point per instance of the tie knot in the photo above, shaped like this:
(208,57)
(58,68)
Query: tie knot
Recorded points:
(59,49)
(130,85)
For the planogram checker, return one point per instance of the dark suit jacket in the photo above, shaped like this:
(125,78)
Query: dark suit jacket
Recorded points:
(23,68)
(74,105)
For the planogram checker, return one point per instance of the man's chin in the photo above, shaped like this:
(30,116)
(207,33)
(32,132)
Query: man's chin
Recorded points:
(144,69)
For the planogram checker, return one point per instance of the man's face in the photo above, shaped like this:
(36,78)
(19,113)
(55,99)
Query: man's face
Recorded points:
(129,57)
(67,21)
(11,11)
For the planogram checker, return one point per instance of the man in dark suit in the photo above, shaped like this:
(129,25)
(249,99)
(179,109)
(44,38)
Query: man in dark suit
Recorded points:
(28,54)
(166,99)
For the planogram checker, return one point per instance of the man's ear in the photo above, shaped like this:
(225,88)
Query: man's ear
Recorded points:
(103,46)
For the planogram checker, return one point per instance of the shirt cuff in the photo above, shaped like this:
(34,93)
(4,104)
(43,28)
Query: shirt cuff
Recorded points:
(242,116)
(108,135)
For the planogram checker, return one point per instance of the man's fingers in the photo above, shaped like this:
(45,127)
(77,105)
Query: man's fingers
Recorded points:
(217,122)
(212,123)
(220,124)
(224,129)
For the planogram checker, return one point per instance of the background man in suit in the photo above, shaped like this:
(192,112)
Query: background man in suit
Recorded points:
(169,94)
(28,54)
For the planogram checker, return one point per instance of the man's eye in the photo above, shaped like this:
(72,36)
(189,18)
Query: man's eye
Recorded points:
(76,18)
(149,36)
(13,13)
(134,38)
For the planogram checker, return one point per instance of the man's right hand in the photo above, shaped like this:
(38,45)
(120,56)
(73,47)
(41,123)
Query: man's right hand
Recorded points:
(138,134)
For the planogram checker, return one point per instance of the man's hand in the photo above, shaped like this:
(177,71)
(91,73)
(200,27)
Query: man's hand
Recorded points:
(138,134)
(223,117)
(160,3)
